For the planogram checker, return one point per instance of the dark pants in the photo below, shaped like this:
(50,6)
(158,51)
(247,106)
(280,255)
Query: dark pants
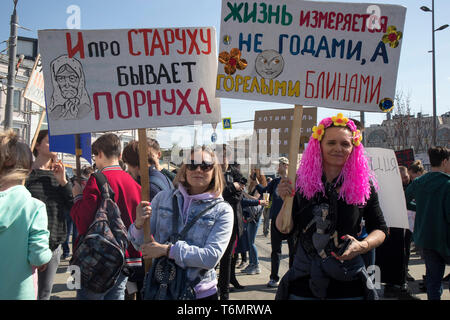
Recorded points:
(276,239)
(71,228)
(226,267)
(435,268)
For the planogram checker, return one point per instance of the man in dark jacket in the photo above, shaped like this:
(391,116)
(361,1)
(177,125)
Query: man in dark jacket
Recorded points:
(232,193)
(276,238)
(431,193)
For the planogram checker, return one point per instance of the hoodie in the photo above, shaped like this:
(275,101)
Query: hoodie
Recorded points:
(431,193)
(24,242)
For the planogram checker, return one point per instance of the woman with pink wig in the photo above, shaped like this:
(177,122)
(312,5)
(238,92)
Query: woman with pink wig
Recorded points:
(334,191)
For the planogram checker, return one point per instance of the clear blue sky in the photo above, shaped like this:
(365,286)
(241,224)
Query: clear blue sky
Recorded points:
(415,63)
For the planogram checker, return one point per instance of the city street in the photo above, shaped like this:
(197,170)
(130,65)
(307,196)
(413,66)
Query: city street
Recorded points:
(256,285)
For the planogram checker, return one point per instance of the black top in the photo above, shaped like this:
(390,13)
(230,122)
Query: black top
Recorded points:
(348,221)
(43,185)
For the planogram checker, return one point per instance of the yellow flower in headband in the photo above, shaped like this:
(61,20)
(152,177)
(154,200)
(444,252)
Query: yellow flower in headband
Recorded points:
(357,138)
(340,120)
(318,132)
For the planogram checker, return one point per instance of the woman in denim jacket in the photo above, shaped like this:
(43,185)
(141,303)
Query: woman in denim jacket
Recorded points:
(199,184)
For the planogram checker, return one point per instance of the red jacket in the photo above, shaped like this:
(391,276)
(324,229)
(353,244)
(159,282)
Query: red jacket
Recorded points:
(127,196)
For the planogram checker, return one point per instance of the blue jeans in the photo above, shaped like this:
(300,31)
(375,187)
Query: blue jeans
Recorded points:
(435,268)
(71,228)
(252,228)
(117,292)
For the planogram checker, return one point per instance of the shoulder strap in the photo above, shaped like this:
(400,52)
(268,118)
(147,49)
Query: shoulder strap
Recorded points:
(176,213)
(101,180)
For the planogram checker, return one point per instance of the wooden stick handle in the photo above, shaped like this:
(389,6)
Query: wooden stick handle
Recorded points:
(145,186)
(294,143)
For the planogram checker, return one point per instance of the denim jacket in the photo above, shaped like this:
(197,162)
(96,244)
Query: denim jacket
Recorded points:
(204,243)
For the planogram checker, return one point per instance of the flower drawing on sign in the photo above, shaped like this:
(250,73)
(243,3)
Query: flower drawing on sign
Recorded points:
(340,120)
(318,132)
(232,61)
(386,105)
(392,36)
(357,138)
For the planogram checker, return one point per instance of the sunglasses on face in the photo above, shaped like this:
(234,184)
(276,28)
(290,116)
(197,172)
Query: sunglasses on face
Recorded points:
(204,166)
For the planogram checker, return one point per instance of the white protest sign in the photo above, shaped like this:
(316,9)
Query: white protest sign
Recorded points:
(324,54)
(102,80)
(383,163)
(34,90)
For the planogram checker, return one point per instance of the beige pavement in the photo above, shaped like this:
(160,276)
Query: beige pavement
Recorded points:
(256,285)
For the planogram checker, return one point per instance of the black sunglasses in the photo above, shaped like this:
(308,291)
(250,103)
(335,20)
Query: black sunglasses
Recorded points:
(204,166)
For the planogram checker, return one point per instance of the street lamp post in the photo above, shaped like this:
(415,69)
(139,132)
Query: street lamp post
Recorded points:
(433,52)
(12,50)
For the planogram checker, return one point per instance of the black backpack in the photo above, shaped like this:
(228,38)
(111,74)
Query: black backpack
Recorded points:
(100,253)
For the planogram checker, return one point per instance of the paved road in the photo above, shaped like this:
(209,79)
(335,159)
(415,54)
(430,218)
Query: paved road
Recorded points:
(256,285)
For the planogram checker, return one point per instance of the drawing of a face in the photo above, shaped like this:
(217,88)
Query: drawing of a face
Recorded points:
(269,64)
(68,81)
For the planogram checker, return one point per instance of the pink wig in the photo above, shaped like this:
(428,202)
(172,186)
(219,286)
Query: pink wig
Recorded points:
(356,175)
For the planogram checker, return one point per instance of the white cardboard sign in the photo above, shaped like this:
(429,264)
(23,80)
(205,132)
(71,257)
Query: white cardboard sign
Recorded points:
(324,54)
(103,80)
(383,163)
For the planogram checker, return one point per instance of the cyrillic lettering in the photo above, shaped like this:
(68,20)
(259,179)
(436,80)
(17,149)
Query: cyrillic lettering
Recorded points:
(151,102)
(309,84)
(71,51)
(122,76)
(172,100)
(184,101)
(136,102)
(130,43)
(323,45)
(357,50)
(109,104)
(207,41)
(118,105)
(309,40)
(286,17)
(234,12)
(202,99)
(263,12)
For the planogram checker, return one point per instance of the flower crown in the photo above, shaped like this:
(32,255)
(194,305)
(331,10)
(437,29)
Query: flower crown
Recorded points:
(338,121)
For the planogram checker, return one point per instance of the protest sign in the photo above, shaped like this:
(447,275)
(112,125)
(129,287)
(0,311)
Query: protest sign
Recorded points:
(323,54)
(383,163)
(269,122)
(34,91)
(102,80)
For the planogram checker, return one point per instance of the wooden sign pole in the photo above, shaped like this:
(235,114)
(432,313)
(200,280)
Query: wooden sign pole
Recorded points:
(33,144)
(145,185)
(78,153)
(294,143)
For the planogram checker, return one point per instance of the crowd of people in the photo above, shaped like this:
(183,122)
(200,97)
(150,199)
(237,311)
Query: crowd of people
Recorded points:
(205,217)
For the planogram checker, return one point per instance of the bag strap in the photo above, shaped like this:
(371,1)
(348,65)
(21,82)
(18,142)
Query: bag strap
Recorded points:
(100,178)
(176,213)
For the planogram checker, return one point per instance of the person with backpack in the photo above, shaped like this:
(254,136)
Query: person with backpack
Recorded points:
(191,227)
(24,238)
(48,183)
(158,182)
(127,195)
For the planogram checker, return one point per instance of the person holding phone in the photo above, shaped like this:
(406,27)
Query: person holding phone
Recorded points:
(334,190)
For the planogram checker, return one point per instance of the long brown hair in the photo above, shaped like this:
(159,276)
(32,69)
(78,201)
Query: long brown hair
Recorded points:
(217,182)
(15,159)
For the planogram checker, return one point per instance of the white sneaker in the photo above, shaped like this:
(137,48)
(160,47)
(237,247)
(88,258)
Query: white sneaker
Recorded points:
(254,270)
(272,283)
